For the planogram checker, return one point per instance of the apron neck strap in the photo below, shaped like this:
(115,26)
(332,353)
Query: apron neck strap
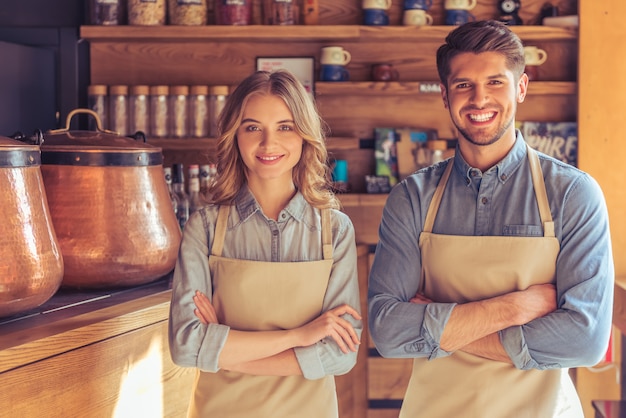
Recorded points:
(434,204)
(222,220)
(540,193)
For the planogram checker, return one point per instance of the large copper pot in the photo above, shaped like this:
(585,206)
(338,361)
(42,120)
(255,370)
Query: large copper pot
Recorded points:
(110,207)
(31,266)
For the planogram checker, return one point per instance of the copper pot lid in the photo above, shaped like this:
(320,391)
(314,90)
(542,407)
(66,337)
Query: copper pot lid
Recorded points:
(14,153)
(97,148)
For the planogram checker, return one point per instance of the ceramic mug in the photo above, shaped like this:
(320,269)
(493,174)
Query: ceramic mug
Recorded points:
(417,4)
(384,72)
(460,4)
(334,55)
(458,17)
(375,17)
(330,72)
(534,55)
(376,4)
(416,17)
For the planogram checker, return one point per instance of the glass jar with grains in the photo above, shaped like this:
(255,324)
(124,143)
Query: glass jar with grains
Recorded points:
(107,12)
(187,12)
(146,12)
(233,12)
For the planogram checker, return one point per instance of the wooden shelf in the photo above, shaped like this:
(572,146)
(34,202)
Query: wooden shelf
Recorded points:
(209,144)
(300,33)
(411,88)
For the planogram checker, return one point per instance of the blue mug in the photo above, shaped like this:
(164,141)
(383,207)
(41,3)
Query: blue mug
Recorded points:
(417,4)
(456,17)
(331,72)
(375,17)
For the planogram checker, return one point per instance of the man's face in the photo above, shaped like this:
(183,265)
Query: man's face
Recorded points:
(482,97)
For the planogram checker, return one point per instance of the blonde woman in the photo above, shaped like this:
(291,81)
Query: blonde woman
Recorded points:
(265,300)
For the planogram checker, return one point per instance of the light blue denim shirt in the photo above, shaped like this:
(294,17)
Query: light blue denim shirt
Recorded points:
(500,201)
(250,235)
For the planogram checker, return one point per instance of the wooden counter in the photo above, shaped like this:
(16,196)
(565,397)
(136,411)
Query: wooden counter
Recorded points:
(98,354)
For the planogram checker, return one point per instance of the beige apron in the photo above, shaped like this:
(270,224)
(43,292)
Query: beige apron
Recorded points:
(259,296)
(468,268)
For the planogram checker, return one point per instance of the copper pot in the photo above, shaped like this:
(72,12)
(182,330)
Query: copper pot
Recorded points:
(110,207)
(31,266)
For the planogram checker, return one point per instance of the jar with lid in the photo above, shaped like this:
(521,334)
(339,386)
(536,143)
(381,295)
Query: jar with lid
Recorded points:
(146,12)
(107,12)
(139,109)
(281,12)
(233,12)
(187,12)
(159,111)
(199,112)
(217,100)
(435,150)
(98,101)
(118,109)
(178,109)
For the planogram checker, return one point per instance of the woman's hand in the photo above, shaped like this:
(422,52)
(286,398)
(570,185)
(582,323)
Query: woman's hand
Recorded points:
(204,309)
(330,324)
(420,299)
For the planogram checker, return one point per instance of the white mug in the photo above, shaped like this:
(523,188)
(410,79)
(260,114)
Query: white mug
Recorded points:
(416,17)
(334,55)
(460,4)
(376,4)
(534,55)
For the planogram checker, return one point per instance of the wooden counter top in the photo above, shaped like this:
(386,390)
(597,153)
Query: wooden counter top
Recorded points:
(74,319)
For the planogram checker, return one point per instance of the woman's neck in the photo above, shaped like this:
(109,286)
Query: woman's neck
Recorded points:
(272,197)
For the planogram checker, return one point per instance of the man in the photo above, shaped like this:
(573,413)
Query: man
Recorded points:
(494,268)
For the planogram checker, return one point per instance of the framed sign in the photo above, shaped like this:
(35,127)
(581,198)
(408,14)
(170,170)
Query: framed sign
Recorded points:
(301,67)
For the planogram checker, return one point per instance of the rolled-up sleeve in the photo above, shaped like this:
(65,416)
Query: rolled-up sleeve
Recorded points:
(325,357)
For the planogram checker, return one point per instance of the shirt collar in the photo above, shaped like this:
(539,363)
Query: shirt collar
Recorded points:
(504,169)
(247,205)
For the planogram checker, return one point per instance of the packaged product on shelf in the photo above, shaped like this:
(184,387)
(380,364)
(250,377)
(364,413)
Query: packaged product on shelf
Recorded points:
(159,111)
(107,12)
(385,154)
(146,12)
(199,112)
(139,109)
(187,12)
(233,12)
(98,101)
(281,12)
(118,109)
(178,110)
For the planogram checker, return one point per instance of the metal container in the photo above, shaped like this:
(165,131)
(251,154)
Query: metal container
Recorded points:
(31,266)
(110,207)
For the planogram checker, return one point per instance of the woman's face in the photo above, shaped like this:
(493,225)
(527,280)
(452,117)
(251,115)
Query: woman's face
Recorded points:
(269,145)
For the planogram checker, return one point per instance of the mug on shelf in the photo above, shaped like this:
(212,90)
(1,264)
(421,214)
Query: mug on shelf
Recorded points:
(458,17)
(534,55)
(375,17)
(334,55)
(376,4)
(416,17)
(384,72)
(460,4)
(417,4)
(333,72)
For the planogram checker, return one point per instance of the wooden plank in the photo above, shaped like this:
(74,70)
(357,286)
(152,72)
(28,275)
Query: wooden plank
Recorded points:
(127,375)
(29,345)
(388,378)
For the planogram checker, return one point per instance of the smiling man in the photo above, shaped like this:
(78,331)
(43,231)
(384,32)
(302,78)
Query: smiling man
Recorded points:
(493,268)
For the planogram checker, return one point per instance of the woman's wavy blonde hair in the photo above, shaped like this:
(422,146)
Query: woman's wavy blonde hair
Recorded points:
(310,175)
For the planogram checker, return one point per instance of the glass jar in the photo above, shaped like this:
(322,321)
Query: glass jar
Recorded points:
(281,12)
(139,101)
(159,111)
(178,110)
(199,112)
(233,12)
(98,101)
(146,12)
(107,12)
(118,109)
(217,100)
(187,12)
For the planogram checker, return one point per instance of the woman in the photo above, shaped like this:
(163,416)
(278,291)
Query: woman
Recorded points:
(265,300)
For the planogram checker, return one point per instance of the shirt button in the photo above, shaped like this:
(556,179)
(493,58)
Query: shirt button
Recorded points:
(275,232)
(503,177)
(484,200)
